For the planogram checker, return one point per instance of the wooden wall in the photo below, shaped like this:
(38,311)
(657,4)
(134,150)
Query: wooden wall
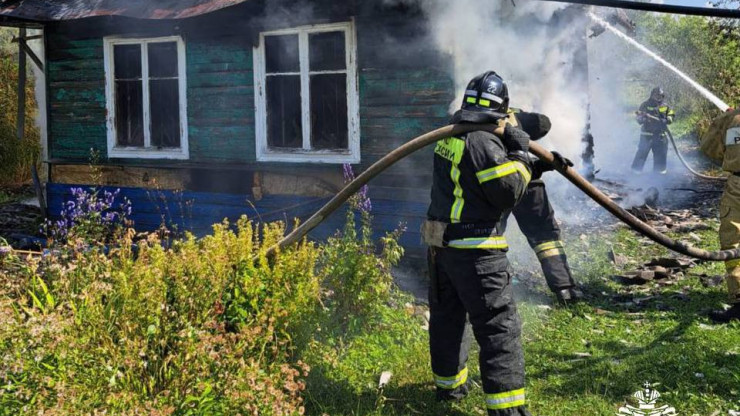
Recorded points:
(404,84)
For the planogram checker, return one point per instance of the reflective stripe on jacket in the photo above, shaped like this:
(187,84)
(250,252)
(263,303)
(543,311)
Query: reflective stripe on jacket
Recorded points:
(474,181)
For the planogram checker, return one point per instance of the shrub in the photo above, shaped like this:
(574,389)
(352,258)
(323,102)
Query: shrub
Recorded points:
(198,328)
(360,279)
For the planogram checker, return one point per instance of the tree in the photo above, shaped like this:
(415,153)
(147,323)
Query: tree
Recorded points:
(705,49)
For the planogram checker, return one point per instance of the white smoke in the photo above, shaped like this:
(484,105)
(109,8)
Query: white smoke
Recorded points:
(533,45)
(535,58)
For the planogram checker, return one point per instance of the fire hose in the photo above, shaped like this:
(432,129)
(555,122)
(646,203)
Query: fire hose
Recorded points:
(459,129)
(680,156)
(686,165)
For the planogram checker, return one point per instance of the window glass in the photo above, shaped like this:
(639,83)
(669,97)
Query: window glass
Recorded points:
(284,125)
(327,51)
(281,53)
(129,113)
(147,117)
(162,60)
(165,113)
(307,87)
(329,111)
(127,61)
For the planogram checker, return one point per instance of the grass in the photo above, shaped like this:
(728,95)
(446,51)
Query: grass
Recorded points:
(586,360)
(15,194)
(6,197)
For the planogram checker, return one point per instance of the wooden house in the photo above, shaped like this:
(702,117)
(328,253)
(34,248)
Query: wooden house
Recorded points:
(200,110)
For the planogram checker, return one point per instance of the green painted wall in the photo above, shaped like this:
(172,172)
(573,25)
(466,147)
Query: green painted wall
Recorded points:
(399,98)
(219,97)
(76,97)
(220,100)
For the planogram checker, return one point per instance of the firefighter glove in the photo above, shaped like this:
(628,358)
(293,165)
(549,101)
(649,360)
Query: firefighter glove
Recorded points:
(539,167)
(515,139)
(561,160)
(640,117)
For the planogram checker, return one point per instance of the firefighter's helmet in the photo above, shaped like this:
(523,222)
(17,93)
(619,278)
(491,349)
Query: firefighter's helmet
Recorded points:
(486,100)
(657,94)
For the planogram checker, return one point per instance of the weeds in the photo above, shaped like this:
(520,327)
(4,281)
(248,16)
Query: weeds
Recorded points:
(194,329)
(16,156)
(113,322)
(359,279)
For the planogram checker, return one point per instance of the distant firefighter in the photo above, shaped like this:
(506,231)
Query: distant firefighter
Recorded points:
(654,117)
(722,143)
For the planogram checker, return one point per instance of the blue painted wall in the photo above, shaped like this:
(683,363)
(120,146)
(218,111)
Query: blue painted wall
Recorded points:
(198,211)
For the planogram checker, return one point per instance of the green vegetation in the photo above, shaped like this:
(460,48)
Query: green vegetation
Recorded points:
(114,322)
(191,329)
(704,49)
(139,330)
(16,157)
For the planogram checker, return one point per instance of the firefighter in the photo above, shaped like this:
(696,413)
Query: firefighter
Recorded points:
(654,117)
(477,179)
(536,218)
(722,143)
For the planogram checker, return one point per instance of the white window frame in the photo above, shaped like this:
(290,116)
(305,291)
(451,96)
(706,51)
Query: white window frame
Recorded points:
(352,153)
(145,152)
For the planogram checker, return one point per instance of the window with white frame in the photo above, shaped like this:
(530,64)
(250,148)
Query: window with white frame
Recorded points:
(146,99)
(306,95)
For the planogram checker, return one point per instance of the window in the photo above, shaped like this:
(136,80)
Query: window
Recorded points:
(145,94)
(306,96)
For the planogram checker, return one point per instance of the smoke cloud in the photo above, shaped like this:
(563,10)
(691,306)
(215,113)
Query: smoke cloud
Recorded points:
(529,46)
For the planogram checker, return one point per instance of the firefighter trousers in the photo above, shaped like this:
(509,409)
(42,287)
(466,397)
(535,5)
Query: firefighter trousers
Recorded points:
(536,219)
(729,233)
(476,283)
(658,143)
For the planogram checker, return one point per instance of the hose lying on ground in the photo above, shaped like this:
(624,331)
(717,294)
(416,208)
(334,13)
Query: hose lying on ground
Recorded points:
(686,165)
(460,129)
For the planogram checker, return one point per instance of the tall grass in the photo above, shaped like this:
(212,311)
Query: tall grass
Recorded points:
(114,322)
(196,328)
(16,157)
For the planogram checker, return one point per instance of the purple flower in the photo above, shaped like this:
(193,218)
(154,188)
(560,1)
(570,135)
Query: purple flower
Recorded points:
(87,212)
(347,172)
(364,201)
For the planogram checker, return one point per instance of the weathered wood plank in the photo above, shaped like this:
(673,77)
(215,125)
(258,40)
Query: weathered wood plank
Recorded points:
(221,79)
(127,176)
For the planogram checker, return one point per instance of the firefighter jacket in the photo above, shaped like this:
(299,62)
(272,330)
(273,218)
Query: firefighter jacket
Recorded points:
(722,141)
(653,116)
(474,182)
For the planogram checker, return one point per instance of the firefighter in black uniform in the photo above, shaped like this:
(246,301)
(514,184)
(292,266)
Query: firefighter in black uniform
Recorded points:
(477,179)
(654,117)
(536,218)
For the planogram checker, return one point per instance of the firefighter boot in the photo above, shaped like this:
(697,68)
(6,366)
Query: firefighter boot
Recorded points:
(569,296)
(453,395)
